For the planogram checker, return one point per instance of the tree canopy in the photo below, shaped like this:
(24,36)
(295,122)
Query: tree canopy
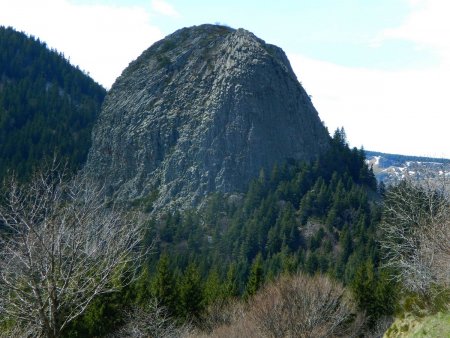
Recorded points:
(47,106)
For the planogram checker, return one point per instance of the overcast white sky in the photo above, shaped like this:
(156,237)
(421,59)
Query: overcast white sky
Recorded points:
(379,68)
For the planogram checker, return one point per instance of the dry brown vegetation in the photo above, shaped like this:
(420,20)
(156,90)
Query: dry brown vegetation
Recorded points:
(295,306)
(151,321)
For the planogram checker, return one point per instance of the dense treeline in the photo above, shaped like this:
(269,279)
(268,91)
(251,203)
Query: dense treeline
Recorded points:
(47,106)
(318,217)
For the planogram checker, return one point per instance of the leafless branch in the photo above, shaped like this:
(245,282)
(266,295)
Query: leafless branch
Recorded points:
(304,306)
(297,306)
(151,321)
(60,247)
(415,233)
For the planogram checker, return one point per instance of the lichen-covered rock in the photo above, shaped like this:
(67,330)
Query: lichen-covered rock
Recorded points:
(202,110)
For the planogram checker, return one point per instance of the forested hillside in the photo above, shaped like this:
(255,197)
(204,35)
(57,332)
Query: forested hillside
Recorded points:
(307,249)
(318,217)
(310,249)
(47,106)
(311,217)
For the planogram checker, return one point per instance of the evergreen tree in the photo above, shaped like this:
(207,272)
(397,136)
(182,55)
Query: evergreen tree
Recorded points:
(143,287)
(163,286)
(213,288)
(375,293)
(191,302)
(312,263)
(346,244)
(256,277)
(231,287)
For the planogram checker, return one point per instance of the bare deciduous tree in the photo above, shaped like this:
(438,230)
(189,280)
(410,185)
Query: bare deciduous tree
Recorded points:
(151,321)
(416,233)
(61,245)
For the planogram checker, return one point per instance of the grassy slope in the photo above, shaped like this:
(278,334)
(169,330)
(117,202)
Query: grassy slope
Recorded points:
(437,325)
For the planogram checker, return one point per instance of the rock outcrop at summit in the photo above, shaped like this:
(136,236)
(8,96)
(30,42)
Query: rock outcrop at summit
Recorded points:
(200,111)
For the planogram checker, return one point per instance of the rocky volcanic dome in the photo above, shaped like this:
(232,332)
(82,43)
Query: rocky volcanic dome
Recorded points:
(200,111)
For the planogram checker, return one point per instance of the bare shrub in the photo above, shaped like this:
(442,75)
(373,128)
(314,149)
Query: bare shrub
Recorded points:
(227,319)
(298,306)
(151,321)
(221,313)
(303,306)
(61,245)
(241,328)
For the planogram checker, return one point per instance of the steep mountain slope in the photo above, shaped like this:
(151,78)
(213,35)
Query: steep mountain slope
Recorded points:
(47,106)
(202,110)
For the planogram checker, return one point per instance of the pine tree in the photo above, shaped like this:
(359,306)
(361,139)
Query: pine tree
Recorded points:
(374,292)
(231,287)
(163,286)
(312,263)
(143,287)
(191,293)
(213,289)
(255,279)
(346,244)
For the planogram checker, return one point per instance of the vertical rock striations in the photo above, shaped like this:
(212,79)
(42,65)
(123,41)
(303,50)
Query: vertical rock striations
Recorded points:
(202,110)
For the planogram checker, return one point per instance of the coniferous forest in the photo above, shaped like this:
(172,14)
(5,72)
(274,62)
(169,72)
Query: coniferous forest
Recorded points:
(312,218)
(310,248)
(47,106)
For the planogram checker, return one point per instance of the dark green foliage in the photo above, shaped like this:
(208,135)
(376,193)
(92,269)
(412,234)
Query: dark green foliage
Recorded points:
(230,287)
(317,217)
(374,291)
(47,106)
(163,286)
(255,278)
(104,314)
(190,302)
(212,291)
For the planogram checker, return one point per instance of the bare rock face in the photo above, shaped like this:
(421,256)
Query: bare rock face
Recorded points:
(200,111)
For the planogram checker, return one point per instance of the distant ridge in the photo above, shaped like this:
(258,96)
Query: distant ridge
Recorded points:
(403,158)
(391,168)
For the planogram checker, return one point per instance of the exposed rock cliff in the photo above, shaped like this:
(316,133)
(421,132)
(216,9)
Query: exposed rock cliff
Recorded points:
(202,110)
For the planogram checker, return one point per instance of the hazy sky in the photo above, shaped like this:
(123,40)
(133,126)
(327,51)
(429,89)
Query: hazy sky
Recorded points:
(380,68)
